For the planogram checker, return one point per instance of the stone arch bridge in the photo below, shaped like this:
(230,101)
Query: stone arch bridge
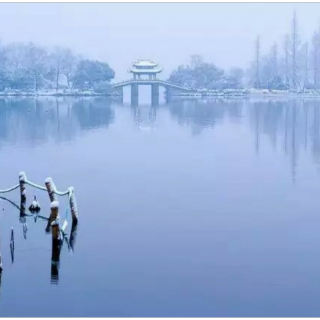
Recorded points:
(154,83)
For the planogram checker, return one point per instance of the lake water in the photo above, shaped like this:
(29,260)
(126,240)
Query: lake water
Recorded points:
(193,208)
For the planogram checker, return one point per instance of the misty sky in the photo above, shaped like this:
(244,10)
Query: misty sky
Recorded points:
(168,33)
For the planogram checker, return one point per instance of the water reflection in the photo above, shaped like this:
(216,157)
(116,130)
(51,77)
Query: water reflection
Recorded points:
(289,124)
(12,245)
(37,120)
(93,113)
(202,114)
(12,253)
(295,123)
(292,124)
(55,260)
(57,243)
(144,116)
(73,235)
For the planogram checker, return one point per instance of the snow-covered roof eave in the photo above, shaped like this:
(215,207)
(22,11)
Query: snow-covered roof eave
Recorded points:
(145,63)
(145,70)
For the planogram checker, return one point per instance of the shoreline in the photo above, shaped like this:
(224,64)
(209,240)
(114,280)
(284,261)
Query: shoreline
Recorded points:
(199,95)
(78,94)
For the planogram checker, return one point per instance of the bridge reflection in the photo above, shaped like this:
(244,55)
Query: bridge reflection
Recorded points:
(290,124)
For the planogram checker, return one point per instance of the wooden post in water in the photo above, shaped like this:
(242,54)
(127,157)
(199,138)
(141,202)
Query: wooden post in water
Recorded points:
(73,206)
(54,209)
(22,182)
(56,241)
(23,204)
(51,188)
(55,226)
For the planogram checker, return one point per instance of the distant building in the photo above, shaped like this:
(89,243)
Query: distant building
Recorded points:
(145,68)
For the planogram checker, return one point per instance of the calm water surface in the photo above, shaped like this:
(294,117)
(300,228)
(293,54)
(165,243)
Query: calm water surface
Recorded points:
(208,208)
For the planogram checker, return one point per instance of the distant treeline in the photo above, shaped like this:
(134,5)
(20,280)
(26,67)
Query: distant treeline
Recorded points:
(30,67)
(292,65)
(203,75)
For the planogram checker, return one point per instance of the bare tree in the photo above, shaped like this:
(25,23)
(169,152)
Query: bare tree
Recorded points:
(306,65)
(294,50)
(36,62)
(15,57)
(266,72)
(68,64)
(315,59)
(257,53)
(2,56)
(55,65)
(274,60)
(286,59)
(196,60)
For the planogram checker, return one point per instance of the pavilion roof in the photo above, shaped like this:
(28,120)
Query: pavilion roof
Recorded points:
(145,63)
(145,71)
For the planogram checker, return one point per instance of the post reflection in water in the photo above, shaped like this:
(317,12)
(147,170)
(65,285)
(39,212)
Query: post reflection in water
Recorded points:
(231,163)
(57,241)
(73,235)
(55,260)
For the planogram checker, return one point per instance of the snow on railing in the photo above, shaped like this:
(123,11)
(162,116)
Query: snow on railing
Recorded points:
(53,222)
(10,189)
(50,188)
(155,81)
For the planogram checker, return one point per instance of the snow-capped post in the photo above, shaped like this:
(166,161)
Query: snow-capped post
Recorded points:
(51,188)
(22,182)
(54,217)
(73,206)
(23,204)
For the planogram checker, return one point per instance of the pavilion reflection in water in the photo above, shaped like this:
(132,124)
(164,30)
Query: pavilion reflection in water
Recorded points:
(291,124)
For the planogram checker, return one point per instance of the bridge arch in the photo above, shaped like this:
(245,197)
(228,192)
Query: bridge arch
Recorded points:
(155,84)
(162,83)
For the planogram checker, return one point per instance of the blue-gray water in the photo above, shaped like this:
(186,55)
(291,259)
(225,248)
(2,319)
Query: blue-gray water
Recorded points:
(187,209)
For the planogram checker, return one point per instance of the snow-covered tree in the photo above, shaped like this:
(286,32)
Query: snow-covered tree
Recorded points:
(295,47)
(89,73)
(68,64)
(257,63)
